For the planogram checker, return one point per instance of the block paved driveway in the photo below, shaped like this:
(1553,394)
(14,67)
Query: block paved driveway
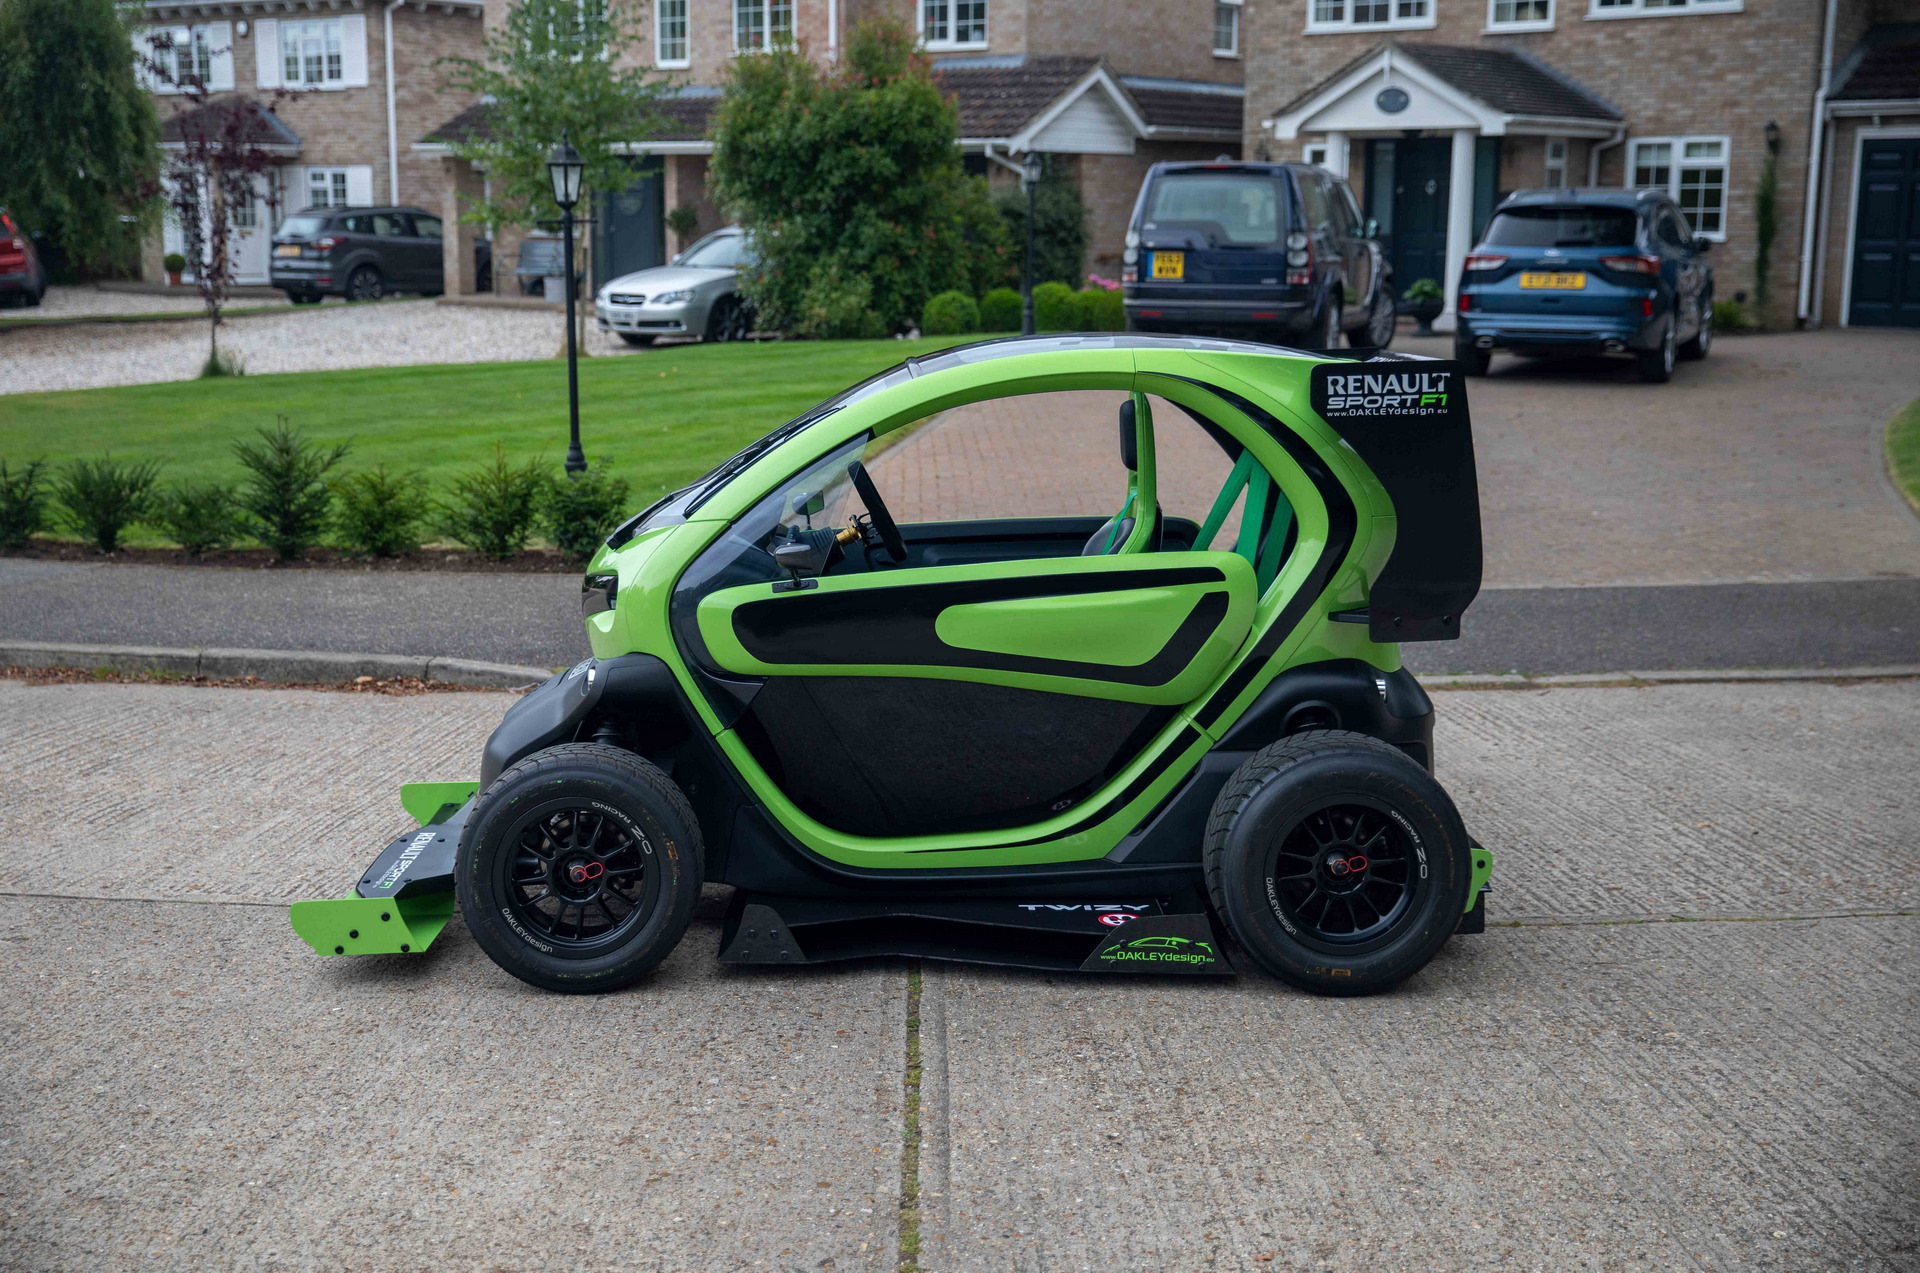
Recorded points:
(1760,464)
(1687,1045)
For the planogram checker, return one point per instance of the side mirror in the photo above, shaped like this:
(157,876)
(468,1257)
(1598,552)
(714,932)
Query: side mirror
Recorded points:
(1371,230)
(809,503)
(1701,243)
(801,559)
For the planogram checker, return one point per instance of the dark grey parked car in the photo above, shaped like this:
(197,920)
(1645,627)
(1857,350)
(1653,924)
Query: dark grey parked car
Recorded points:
(359,253)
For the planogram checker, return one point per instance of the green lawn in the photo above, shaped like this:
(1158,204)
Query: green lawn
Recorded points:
(661,418)
(1903,452)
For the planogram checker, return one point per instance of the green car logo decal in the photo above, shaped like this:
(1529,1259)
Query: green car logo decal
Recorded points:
(1161,950)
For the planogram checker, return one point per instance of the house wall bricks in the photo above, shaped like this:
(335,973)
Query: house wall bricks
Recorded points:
(1682,75)
(347,127)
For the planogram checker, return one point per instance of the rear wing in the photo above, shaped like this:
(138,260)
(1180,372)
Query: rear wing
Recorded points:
(1407,417)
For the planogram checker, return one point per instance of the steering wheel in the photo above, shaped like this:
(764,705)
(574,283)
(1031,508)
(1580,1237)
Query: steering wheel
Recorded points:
(877,509)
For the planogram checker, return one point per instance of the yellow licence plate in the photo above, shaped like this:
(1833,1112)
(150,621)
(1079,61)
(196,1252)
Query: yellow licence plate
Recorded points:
(287,249)
(1169,264)
(1561,282)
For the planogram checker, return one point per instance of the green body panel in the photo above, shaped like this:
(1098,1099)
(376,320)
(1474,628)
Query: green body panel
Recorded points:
(648,566)
(372,925)
(717,622)
(1482,872)
(1121,629)
(425,800)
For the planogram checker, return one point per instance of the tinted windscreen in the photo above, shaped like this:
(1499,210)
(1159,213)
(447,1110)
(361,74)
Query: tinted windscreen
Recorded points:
(1562,228)
(295,227)
(1231,209)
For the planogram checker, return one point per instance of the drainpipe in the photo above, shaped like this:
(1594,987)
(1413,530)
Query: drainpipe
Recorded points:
(833,30)
(1593,154)
(393,129)
(1815,139)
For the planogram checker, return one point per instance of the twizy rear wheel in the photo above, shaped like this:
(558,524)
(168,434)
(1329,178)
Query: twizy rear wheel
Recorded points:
(579,868)
(1338,862)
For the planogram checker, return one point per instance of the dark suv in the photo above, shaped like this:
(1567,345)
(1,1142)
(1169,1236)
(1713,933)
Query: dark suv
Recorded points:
(1271,252)
(359,253)
(1587,272)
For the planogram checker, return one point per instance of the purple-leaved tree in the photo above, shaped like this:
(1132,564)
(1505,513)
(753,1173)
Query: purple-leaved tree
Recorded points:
(217,162)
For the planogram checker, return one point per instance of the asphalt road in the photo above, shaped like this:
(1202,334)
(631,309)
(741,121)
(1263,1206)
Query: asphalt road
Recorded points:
(534,619)
(1685,1043)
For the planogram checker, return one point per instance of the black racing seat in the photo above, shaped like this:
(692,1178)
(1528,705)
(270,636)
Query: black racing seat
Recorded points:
(1108,538)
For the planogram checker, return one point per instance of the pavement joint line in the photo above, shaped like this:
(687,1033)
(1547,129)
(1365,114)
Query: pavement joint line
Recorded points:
(1622,920)
(1644,679)
(910,1136)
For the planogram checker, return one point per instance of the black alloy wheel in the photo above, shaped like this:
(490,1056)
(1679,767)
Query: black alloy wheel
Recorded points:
(1345,874)
(578,877)
(365,284)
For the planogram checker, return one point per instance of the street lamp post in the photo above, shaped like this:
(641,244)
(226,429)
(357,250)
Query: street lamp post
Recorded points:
(564,168)
(1030,178)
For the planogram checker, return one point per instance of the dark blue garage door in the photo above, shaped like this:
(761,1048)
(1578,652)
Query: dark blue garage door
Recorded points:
(1886,236)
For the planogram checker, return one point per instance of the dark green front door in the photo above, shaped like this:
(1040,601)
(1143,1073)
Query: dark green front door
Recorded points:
(1407,184)
(628,233)
(1886,236)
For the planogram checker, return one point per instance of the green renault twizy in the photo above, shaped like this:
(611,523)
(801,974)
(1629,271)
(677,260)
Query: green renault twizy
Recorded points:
(1064,652)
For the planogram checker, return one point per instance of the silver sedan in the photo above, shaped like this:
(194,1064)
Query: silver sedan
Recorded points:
(696,294)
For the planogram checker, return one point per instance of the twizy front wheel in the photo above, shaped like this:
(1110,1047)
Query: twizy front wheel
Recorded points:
(1338,862)
(579,868)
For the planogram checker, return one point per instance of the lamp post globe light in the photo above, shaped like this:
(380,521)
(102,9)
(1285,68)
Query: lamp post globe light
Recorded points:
(1030,179)
(564,169)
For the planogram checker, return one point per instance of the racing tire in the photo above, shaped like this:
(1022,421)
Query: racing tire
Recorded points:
(365,284)
(1381,320)
(614,850)
(1280,853)
(1701,344)
(638,342)
(1472,360)
(1656,364)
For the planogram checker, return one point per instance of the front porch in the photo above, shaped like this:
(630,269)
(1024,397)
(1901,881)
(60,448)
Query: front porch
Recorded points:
(1428,136)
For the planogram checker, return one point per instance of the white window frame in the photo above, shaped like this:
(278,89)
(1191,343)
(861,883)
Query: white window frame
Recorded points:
(1238,10)
(769,10)
(1398,19)
(332,36)
(660,58)
(1605,10)
(207,55)
(1496,23)
(1677,160)
(1554,166)
(332,180)
(950,11)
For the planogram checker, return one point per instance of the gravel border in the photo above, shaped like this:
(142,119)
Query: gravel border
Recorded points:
(270,665)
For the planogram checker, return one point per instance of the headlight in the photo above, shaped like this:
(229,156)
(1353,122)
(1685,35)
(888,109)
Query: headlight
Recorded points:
(673,298)
(1296,240)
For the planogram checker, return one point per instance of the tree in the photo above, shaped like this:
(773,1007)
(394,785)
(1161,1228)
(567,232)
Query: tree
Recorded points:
(78,133)
(553,67)
(850,181)
(219,166)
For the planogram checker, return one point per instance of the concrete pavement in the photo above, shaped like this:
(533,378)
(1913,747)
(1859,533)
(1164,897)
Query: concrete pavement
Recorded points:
(1599,1087)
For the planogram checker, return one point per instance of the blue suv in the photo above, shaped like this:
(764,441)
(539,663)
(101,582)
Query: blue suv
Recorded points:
(1586,272)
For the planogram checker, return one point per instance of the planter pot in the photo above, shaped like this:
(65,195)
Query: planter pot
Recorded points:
(173,278)
(1423,313)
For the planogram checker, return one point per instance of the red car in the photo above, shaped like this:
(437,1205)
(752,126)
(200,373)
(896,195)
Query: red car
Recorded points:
(21,273)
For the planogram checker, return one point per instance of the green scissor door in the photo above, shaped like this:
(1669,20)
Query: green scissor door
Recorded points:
(922,699)
(958,698)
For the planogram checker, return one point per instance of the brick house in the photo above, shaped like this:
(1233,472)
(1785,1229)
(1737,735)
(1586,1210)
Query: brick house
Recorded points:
(1434,109)
(1108,89)
(362,86)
